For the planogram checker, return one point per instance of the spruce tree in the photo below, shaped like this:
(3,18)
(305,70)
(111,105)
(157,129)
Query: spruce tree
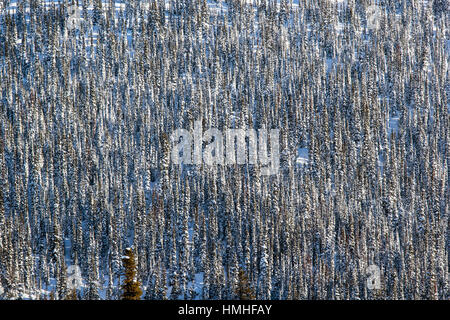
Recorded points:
(131,287)
(244,291)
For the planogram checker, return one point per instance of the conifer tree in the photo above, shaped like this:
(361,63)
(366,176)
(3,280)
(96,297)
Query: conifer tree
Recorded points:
(72,295)
(244,291)
(131,288)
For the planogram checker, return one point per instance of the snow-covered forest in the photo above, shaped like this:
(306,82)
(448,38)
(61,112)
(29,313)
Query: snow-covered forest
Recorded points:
(87,106)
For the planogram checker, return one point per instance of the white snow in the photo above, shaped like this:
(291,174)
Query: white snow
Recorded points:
(302,156)
(393,124)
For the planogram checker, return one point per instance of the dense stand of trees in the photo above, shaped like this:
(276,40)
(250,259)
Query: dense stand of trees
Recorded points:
(85,170)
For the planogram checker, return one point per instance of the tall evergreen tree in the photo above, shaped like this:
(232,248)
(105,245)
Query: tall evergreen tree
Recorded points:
(131,287)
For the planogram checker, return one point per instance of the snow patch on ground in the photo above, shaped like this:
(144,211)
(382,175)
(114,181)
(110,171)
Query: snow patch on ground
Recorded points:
(302,156)
(393,124)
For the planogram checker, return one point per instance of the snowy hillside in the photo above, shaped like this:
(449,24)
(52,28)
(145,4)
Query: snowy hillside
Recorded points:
(119,164)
